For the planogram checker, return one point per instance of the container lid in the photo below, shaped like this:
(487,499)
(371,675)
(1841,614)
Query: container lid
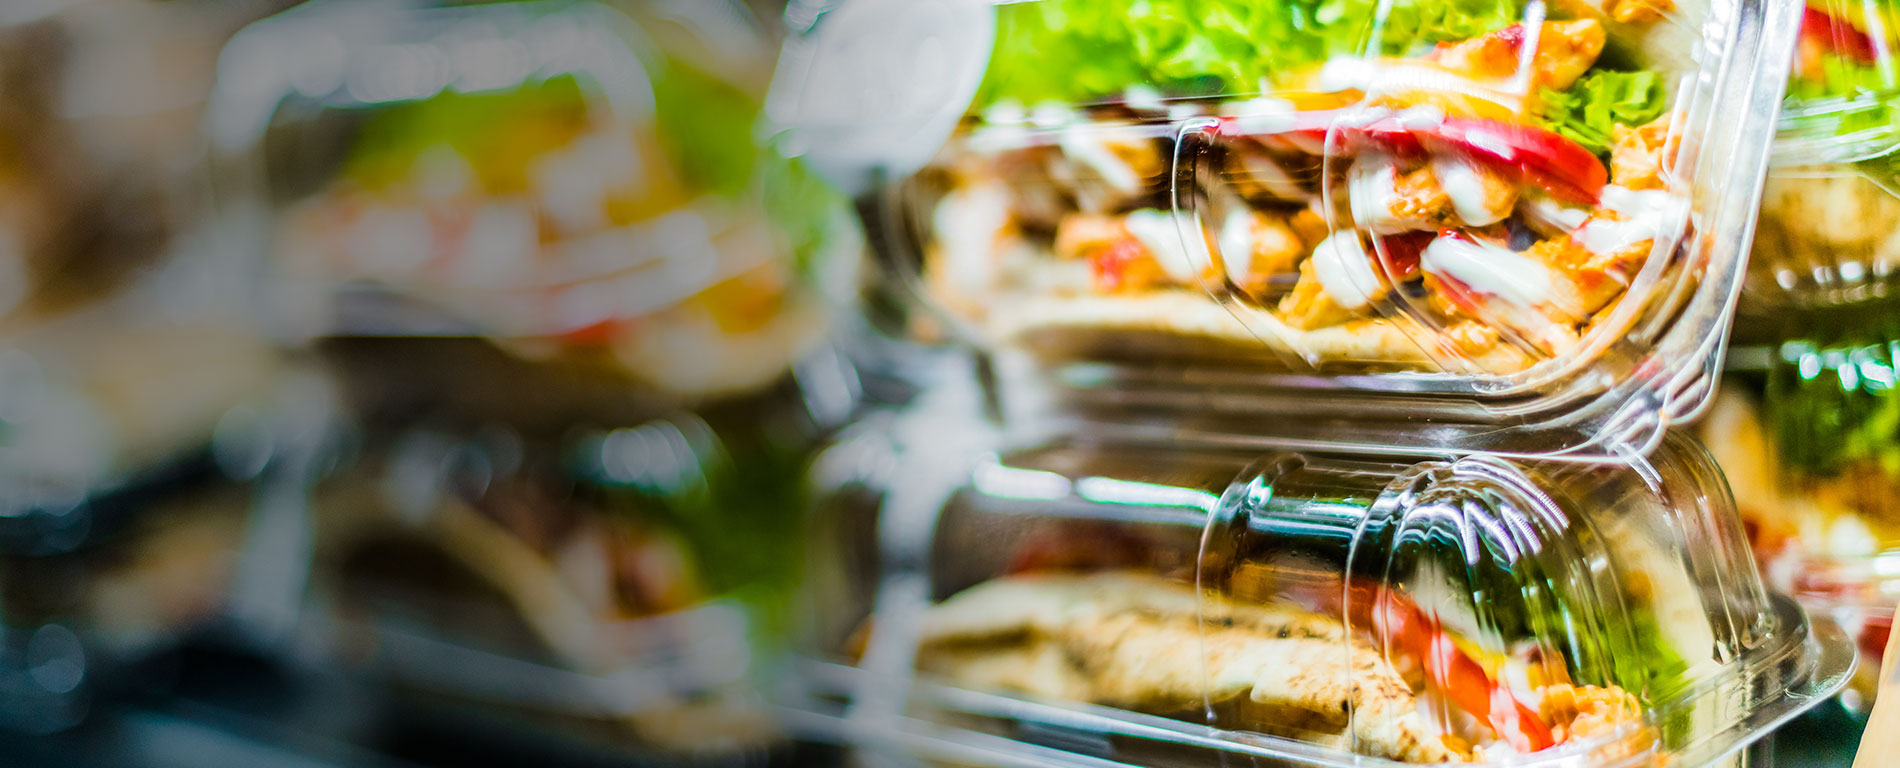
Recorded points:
(1499,202)
(1163,604)
(551,176)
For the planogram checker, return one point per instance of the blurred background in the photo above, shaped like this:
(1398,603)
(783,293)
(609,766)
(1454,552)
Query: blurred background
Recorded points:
(433,383)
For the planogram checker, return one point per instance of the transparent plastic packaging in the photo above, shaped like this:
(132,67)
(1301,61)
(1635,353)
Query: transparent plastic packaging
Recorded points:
(1512,206)
(1807,440)
(584,584)
(547,176)
(1830,205)
(1098,599)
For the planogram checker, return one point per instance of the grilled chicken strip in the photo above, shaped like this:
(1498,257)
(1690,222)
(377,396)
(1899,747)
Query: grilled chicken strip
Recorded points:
(1135,641)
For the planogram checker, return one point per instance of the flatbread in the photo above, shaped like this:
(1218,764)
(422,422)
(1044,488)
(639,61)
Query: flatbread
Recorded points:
(1173,320)
(1136,641)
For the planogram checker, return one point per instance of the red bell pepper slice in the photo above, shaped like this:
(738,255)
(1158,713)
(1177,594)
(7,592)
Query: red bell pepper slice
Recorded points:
(1559,166)
(1409,630)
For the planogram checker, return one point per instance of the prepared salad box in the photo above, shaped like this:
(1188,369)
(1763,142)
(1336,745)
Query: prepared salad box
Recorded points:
(1829,209)
(1488,200)
(1091,598)
(553,177)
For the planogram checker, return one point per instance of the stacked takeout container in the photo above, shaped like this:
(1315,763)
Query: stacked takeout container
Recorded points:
(1804,424)
(1325,363)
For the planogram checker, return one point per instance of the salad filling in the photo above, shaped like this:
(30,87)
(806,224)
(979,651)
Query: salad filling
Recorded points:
(1398,684)
(1470,192)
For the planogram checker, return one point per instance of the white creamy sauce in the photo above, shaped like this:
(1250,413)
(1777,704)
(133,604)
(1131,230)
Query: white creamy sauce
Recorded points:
(1052,115)
(1551,217)
(1362,117)
(1489,269)
(1650,214)
(1266,172)
(1083,146)
(1005,112)
(1372,187)
(1265,115)
(1465,186)
(1374,76)
(1144,98)
(969,223)
(1156,231)
(1344,270)
(1424,117)
(1347,73)
(1236,245)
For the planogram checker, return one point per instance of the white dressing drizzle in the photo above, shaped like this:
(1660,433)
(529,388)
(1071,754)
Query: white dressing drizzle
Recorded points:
(1372,187)
(1156,231)
(1236,245)
(1265,171)
(1144,98)
(969,223)
(1465,186)
(1084,146)
(1489,269)
(1423,117)
(1649,214)
(1261,116)
(1344,270)
(1551,217)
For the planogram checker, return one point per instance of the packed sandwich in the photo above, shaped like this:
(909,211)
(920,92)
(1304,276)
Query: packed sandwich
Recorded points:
(648,232)
(1470,187)
(1283,646)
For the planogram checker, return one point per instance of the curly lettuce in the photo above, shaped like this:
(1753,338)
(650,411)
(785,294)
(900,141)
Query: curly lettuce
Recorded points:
(1589,110)
(1083,51)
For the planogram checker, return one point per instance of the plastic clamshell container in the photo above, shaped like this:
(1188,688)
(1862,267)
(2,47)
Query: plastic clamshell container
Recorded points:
(517,574)
(525,172)
(1091,599)
(1830,205)
(1416,214)
(1812,455)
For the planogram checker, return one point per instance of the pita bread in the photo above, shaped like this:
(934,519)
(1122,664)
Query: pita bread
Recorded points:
(1185,324)
(1138,642)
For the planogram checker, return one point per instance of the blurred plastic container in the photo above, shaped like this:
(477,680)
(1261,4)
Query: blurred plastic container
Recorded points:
(1830,207)
(1809,443)
(1497,209)
(1096,599)
(541,174)
(631,582)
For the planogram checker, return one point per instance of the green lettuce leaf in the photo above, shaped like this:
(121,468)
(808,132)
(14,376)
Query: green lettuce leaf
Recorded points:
(1083,51)
(1591,108)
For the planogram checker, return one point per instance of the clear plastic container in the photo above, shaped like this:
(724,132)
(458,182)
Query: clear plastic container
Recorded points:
(1097,599)
(1807,439)
(545,175)
(1271,190)
(594,585)
(1830,205)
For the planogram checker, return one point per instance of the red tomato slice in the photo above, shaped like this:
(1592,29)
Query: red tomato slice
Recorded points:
(1408,630)
(1558,165)
(1837,35)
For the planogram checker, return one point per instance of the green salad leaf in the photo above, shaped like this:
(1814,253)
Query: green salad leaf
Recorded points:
(1081,51)
(1590,109)
(706,126)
